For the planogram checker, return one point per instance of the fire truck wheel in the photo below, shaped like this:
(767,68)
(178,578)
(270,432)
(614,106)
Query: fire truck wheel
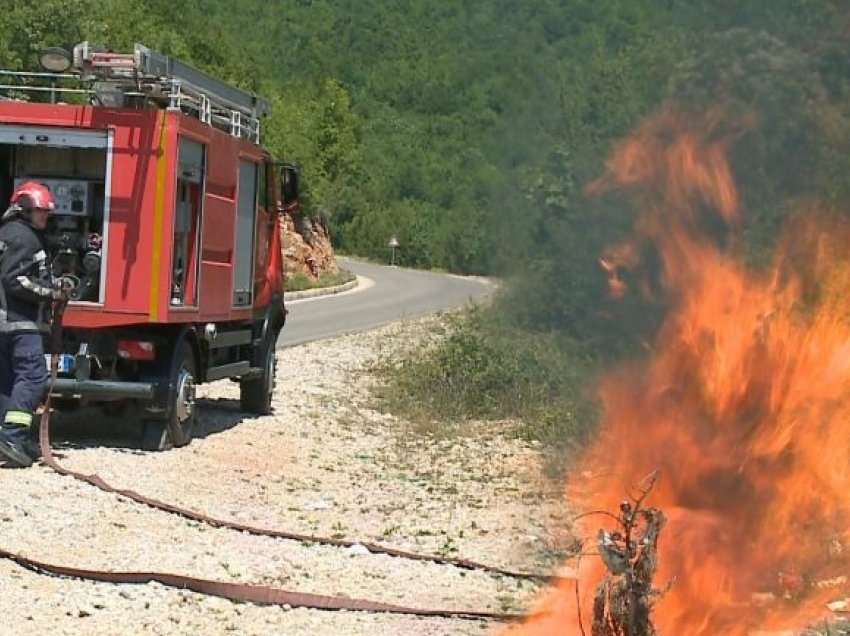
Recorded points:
(155,436)
(255,395)
(161,435)
(182,420)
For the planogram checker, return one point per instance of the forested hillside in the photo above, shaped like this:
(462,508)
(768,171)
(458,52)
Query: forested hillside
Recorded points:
(470,129)
(466,128)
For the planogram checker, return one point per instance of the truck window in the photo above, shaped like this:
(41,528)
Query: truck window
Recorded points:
(264,223)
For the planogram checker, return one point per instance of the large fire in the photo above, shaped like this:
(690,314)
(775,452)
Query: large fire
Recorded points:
(743,404)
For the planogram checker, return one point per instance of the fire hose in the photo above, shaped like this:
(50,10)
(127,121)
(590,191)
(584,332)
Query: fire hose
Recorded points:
(238,592)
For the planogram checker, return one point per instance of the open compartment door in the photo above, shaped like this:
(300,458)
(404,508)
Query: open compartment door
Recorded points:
(75,165)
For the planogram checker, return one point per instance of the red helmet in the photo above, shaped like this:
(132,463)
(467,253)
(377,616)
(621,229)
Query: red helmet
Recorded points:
(28,196)
(32,195)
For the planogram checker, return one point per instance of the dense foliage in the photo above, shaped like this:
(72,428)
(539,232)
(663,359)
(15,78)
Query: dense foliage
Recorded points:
(469,128)
(395,111)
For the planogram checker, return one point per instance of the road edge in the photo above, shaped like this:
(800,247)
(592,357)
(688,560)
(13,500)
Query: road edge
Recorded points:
(321,291)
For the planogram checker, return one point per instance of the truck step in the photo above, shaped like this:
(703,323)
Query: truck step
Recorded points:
(228,370)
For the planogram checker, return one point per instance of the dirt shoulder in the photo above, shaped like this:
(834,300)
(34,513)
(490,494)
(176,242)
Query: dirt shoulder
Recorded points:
(325,463)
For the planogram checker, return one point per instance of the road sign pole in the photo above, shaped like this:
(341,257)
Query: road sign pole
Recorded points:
(393,243)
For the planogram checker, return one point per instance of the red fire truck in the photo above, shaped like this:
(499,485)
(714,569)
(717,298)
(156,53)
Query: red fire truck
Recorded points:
(166,224)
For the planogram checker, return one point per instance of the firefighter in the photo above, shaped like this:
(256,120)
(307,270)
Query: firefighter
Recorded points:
(26,295)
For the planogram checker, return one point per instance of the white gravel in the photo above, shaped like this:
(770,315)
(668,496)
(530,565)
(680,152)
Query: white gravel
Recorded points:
(325,463)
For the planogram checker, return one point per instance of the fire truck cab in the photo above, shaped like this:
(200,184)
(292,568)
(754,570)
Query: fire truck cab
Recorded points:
(166,225)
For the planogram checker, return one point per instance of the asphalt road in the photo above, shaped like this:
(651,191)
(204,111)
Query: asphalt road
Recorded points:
(387,294)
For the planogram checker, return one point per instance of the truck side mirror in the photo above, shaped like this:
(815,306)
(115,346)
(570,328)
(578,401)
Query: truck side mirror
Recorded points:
(289,183)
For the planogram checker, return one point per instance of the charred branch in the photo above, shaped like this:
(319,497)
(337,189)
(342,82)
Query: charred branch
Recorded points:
(622,605)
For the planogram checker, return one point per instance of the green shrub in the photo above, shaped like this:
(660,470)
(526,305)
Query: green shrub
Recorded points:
(484,369)
(300,281)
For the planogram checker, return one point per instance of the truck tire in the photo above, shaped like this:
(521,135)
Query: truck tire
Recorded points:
(155,436)
(176,429)
(255,395)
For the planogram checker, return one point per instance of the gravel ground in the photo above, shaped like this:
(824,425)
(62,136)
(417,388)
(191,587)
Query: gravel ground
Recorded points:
(324,463)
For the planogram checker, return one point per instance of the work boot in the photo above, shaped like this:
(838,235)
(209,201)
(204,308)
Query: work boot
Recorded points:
(32,444)
(17,447)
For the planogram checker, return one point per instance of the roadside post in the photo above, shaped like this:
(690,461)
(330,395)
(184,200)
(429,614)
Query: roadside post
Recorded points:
(393,244)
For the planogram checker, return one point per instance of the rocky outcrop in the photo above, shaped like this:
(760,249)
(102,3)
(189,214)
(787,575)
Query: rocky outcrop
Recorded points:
(307,246)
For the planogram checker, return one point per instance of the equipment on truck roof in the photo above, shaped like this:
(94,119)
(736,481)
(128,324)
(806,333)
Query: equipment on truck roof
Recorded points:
(145,76)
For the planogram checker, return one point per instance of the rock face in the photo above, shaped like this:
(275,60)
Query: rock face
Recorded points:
(307,246)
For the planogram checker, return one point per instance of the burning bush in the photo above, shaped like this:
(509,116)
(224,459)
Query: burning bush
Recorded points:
(743,403)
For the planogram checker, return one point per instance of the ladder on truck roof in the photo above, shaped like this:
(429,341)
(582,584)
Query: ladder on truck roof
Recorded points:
(118,79)
(175,85)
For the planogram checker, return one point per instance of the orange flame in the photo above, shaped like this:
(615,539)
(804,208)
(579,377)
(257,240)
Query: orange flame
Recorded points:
(743,406)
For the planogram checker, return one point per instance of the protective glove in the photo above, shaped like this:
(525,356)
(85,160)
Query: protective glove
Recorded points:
(62,288)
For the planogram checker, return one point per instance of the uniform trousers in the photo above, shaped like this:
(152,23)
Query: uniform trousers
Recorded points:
(23,376)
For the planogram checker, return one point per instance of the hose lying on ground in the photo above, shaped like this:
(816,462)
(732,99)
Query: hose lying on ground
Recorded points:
(237,591)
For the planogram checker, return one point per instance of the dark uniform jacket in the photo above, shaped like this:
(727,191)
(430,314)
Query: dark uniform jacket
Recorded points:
(26,285)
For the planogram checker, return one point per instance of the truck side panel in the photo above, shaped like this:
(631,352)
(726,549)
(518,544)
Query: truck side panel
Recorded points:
(141,169)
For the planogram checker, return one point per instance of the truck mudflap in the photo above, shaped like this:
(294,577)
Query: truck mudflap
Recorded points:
(71,387)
